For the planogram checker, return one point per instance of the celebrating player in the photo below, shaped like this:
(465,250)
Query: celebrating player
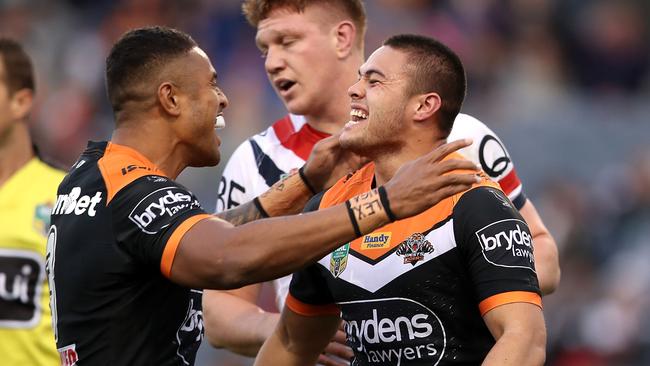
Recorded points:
(129,247)
(455,284)
(313,50)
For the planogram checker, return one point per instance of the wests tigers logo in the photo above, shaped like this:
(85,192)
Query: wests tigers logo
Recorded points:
(414,248)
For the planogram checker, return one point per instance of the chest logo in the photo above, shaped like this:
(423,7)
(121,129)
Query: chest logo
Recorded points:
(339,260)
(376,241)
(414,248)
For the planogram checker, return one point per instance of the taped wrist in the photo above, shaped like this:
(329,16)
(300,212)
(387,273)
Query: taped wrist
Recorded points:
(366,212)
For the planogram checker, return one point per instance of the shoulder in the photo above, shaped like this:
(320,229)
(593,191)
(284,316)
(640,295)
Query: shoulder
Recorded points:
(349,186)
(120,166)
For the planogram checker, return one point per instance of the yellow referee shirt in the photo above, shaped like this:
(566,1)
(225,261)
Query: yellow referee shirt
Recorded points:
(26,200)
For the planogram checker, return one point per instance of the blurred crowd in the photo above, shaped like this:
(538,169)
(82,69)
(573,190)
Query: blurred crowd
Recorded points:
(564,82)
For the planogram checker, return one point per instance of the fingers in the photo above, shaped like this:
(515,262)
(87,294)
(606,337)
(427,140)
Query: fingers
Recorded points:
(443,150)
(455,164)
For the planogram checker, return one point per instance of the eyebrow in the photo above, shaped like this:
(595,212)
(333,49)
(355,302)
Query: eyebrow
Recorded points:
(214,76)
(368,73)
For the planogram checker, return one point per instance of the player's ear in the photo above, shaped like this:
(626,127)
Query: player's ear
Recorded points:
(21,103)
(426,105)
(345,35)
(169,99)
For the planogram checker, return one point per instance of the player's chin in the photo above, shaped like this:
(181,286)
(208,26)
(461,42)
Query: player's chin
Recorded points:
(210,157)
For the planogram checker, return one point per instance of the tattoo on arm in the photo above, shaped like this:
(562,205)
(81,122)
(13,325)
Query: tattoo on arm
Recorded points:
(241,214)
(368,210)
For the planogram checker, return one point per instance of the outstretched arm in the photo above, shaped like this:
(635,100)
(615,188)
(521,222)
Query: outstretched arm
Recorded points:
(298,339)
(215,254)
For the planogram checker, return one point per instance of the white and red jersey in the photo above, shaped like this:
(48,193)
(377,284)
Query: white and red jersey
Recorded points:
(263,159)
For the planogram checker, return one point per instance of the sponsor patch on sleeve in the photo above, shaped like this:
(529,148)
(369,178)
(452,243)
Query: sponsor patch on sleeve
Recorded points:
(159,208)
(507,243)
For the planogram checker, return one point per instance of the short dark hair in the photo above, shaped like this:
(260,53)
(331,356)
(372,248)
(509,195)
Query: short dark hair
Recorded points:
(435,68)
(258,10)
(138,56)
(18,66)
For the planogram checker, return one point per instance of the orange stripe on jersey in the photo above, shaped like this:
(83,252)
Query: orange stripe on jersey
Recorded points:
(301,308)
(386,238)
(508,298)
(174,240)
(121,165)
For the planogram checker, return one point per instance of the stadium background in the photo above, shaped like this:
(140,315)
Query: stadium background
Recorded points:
(565,84)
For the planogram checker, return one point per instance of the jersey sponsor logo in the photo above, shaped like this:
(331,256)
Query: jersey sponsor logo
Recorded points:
(190,333)
(76,203)
(156,211)
(131,167)
(393,331)
(68,355)
(507,243)
(493,156)
(376,241)
(21,278)
(414,248)
(339,260)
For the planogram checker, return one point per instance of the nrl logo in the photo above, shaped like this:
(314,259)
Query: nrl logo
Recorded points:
(414,248)
(339,260)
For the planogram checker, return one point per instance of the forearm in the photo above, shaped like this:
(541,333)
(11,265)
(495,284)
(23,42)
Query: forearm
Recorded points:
(263,250)
(518,348)
(276,352)
(546,263)
(242,329)
(287,196)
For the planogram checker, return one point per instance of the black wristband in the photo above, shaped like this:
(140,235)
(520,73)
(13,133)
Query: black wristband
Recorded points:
(355,224)
(301,172)
(383,197)
(258,204)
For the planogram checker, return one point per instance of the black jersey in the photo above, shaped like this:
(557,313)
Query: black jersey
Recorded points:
(116,225)
(414,291)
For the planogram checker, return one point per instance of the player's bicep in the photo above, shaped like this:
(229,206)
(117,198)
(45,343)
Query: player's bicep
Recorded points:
(514,317)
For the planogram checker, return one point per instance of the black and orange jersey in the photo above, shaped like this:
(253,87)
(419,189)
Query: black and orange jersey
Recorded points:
(116,225)
(413,292)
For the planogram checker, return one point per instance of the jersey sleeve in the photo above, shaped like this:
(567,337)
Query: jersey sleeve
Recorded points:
(237,185)
(309,294)
(489,152)
(150,216)
(496,245)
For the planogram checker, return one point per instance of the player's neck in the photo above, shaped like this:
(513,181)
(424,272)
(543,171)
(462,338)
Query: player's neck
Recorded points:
(15,151)
(153,143)
(386,164)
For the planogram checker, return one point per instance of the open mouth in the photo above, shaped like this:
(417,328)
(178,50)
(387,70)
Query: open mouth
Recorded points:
(219,122)
(284,85)
(357,116)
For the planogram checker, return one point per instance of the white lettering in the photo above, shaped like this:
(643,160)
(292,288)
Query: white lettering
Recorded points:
(66,204)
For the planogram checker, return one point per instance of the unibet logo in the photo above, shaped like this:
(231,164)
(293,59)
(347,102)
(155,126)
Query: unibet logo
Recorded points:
(166,205)
(74,202)
(507,238)
(376,241)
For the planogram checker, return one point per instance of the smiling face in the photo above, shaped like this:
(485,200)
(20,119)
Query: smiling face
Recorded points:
(205,102)
(378,104)
(300,57)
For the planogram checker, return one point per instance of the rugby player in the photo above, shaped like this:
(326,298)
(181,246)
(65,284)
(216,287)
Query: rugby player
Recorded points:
(455,284)
(27,191)
(129,247)
(313,50)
